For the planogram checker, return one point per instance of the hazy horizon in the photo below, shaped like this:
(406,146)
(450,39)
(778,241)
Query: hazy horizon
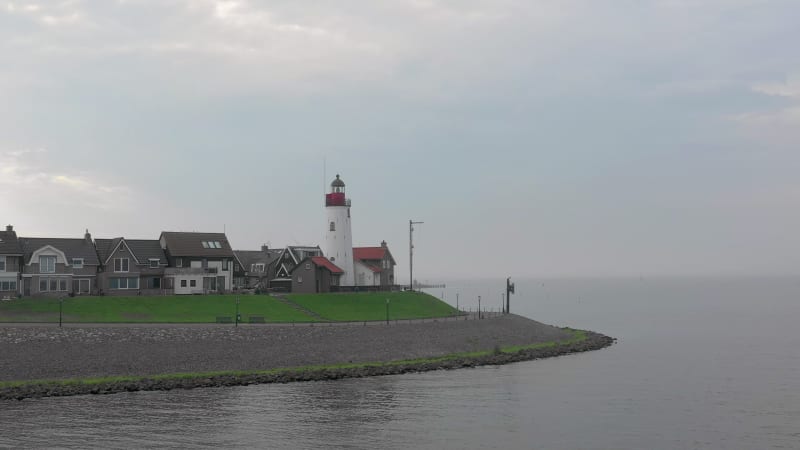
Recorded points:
(534,138)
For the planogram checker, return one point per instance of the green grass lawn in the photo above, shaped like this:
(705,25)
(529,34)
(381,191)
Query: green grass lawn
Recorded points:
(372,305)
(164,309)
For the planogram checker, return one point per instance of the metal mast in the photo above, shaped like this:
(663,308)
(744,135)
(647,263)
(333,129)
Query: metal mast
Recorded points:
(411,224)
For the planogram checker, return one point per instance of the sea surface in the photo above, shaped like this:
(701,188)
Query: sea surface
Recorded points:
(700,364)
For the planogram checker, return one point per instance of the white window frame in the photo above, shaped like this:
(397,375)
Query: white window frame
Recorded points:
(156,261)
(43,267)
(122,268)
(76,265)
(11,285)
(2,263)
(178,262)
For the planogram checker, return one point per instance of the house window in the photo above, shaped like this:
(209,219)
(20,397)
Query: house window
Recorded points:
(8,285)
(47,264)
(77,263)
(333,226)
(259,267)
(183,283)
(121,264)
(124,283)
(62,284)
(308,266)
(155,283)
(2,263)
(224,264)
(205,244)
(154,263)
(217,244)
(42,285)
(53,284)
(299,278)
(192,283)
(178,262)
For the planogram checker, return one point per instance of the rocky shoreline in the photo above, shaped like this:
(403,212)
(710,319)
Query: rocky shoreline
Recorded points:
(190,351)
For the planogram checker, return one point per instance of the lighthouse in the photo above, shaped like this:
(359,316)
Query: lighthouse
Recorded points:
(338,236)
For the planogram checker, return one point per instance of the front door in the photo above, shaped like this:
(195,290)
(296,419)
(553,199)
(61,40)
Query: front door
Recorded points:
(27,287)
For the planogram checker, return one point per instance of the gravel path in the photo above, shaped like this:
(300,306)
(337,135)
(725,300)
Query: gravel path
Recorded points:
(47,352)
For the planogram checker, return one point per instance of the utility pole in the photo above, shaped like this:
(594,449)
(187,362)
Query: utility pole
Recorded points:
(411,224)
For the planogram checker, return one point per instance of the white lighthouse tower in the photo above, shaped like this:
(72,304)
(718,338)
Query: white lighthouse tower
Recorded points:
(338,237)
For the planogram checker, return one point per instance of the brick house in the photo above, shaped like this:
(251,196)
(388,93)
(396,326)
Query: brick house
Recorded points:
(374,266)
(11,261)
(131,267)
(55,267)
(315,274)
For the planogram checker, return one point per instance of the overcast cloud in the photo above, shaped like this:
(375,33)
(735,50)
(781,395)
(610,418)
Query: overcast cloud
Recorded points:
(534,138)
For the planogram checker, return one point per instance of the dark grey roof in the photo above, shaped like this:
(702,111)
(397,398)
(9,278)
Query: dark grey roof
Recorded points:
(143,249)
(105,247)
(249,257)
(9,244)
(147,249)
(72,248)
(337,182)
(191,244)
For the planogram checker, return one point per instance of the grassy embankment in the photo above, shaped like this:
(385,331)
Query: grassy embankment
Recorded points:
(206,308)
(373,305)
(578,336)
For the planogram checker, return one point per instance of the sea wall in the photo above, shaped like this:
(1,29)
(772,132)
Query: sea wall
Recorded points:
(145,352)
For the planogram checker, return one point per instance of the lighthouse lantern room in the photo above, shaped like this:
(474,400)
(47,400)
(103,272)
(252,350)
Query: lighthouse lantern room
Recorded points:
(338,236)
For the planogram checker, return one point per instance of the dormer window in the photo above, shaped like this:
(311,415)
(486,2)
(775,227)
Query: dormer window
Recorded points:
(47,264)
(178,262)
(154,263)
(211,244)
(77,263)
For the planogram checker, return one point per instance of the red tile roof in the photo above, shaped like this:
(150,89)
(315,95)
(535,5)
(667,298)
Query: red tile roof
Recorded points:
(369,252)
(371,267)
(322,261)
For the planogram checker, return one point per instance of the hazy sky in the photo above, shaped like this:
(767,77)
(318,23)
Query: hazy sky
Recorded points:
(534,138)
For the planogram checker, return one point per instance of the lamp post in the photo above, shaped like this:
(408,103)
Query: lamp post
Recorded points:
(411,224)
(60,310)
(237,313)
(387,311)
(479,308)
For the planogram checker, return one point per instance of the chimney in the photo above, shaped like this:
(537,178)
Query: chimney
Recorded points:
(383,244)
(9,227)
(264,247)
(88,236)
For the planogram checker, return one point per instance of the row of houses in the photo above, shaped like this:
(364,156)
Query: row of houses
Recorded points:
(176,263)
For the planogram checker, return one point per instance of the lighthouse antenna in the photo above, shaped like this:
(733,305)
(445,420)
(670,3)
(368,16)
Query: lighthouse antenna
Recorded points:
(324,174)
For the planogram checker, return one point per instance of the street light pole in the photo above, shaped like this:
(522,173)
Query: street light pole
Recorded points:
(237,313)
(411,224)
(60,310)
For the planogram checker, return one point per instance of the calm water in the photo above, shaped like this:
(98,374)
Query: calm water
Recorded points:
(699,364)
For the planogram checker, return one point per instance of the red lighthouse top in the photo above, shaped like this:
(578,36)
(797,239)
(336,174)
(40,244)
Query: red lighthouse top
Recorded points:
(336,197)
